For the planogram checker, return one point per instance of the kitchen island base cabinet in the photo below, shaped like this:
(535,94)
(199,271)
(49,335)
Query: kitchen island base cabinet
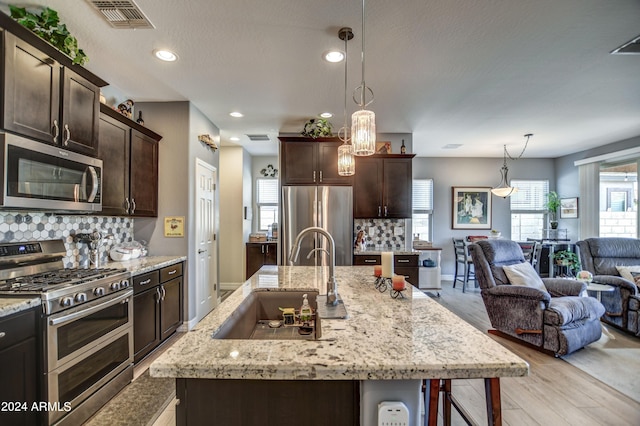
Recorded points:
(267,402)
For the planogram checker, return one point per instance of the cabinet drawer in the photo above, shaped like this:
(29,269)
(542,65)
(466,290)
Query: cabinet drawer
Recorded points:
(410,274)
(145,281)
(170,272)
(405,260)
(367,259)
(17,327)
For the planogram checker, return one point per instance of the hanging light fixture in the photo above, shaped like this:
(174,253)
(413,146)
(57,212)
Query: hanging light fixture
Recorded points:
(363,122)
(503,189)
(346,161)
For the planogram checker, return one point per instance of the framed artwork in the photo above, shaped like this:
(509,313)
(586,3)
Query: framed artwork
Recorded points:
(471,207)
(569,208)
(383,147)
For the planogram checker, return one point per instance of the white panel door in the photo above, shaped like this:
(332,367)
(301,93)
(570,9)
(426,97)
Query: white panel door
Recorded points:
(205,239)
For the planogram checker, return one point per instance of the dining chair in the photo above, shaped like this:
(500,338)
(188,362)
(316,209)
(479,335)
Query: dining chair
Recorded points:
(529,251)
(461,250)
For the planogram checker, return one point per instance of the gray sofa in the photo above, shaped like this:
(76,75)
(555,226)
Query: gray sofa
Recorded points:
(600,256)
(558,320)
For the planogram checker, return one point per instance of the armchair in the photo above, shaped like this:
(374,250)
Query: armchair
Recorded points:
(557,320)
(601,256)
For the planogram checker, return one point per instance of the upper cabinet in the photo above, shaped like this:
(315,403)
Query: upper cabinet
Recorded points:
(382,186)
(43,98)
(130,174)
(306,161)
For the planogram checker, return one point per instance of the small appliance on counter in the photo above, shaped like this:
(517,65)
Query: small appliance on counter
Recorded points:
(421,244)
(126,251)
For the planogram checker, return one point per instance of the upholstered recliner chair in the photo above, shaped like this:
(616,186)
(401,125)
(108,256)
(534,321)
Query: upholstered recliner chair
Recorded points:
(548,313)
(602,257)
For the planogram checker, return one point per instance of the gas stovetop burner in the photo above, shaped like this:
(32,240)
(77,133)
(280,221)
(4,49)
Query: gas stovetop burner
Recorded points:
(46,281)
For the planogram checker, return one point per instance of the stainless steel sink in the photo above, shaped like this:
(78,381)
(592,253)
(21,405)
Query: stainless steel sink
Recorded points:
(251,319)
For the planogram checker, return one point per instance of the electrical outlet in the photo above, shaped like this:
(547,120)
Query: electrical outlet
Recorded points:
(393,413)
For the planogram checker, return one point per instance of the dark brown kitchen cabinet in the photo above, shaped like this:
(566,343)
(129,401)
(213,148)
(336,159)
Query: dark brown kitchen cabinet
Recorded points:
(130,169)
(47,101)
(19,368)
(403,264)
(306,161)
(382,186)
(259,254)
(157,308)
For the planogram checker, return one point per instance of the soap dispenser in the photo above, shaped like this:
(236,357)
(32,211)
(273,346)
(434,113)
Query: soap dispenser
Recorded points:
(305,311)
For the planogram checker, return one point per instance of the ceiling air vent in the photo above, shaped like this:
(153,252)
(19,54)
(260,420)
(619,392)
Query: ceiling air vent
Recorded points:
(452,146)
(630,48)
(258,138)
(122,14)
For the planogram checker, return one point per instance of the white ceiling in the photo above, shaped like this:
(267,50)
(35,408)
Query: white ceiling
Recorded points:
(477,73)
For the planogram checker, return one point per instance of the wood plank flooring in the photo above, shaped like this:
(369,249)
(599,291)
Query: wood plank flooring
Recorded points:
(555,392)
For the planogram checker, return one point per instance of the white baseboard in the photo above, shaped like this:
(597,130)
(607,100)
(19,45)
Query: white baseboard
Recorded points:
(229,286)
(447,277)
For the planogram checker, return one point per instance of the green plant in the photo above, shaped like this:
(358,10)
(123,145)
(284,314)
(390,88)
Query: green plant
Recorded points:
(47,26)
(317,127)
(553,202)
(569,259)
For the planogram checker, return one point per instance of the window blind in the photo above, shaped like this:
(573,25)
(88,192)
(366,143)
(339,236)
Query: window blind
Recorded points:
(422,195)
(267,191)
(531,195)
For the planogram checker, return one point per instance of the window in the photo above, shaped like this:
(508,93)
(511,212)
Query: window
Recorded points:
(422,216)
(619,199)
(267,202)
(528,213)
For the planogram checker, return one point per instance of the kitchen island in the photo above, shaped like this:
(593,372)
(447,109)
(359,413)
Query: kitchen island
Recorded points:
(383,339)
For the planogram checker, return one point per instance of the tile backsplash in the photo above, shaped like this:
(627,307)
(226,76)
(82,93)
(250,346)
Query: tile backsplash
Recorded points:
(382,234)
(38,226)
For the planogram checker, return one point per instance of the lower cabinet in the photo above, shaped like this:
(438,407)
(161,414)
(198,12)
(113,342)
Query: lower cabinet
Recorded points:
(19,369)
(157,308)
(259,254)
(403,264)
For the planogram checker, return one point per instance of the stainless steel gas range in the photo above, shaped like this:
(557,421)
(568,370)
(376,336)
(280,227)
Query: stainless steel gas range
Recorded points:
(87,326)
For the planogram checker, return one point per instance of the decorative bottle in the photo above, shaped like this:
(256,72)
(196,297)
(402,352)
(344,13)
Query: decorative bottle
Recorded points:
(403,149)
(140,121)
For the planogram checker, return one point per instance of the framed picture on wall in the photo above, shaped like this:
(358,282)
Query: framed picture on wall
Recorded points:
(569,208)
(471,207)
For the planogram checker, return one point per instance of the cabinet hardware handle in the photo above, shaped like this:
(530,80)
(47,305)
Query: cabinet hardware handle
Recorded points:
(145,282)
(262,249)
(385,211)
(158,294)
(267,248)
(175,270)
(369,261)
(164,292)
(133,205)
(200,251)
(314,176)
(56,131)
(379,211)
(68,134)
(126,205)
(320,175)
(2,334)
(403,260)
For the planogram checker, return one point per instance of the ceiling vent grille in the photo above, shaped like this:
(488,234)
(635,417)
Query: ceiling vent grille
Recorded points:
(630,48)
(452,146)
(258,138)
(122,14)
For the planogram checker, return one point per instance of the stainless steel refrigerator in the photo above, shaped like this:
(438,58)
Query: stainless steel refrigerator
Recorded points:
(327,207)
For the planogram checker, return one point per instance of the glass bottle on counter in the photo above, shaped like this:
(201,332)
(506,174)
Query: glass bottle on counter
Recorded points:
(403,149)
(140,121)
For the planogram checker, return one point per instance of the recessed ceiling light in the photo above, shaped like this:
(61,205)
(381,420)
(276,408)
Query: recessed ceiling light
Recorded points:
(236,114)
(326,115)
(165,55)
(234,138)
(333,56)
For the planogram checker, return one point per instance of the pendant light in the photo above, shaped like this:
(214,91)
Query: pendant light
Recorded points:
(363,122)
(503,189)
(346,161)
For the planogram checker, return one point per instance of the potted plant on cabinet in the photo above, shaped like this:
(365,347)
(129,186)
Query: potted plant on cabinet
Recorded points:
(552,205)
(569,260)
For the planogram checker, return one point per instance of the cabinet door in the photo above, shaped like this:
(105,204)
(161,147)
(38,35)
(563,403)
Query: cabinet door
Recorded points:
(114,152)
(397,188)
(170,308)
(146,314)
(144,175)
(18,369)
(367,188)
(254,258)
(328,165)
(299,163)
(270,254)
(31,91)
(410,274)
(80,113)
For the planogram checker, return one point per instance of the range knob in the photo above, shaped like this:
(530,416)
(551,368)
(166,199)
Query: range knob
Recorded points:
(98,291)
(81,297)
(115,286)
(66,301)
(124,283)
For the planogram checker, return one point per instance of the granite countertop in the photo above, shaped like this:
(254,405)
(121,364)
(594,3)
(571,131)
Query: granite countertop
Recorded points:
(145,264)
(378,252)
(12,305)
(383,338)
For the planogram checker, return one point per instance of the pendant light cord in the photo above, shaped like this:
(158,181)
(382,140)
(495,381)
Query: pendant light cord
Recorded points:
(347,137)
(506,153)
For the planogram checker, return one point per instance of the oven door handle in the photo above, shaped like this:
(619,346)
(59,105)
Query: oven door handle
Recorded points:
(88,311)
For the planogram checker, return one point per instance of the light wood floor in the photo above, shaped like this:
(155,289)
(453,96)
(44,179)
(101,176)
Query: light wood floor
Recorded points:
(555,393)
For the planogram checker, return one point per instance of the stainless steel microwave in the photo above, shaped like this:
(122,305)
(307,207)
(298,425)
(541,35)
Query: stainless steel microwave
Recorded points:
(44,177)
